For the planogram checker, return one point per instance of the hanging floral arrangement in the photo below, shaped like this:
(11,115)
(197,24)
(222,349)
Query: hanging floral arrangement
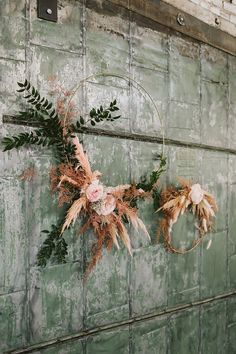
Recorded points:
(185,198)
(103,208)
(106,210)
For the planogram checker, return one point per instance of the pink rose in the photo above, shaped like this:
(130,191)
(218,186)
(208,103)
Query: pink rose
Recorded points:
(94,192)
(108,205)
(196,194)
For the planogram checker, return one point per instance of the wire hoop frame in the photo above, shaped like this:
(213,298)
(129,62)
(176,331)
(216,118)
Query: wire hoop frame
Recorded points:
(128,79)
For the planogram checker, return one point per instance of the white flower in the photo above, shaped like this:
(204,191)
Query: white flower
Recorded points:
(196,194)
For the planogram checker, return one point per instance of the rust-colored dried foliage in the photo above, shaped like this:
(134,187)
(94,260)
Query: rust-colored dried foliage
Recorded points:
(65,106)
(71,184)
(28,174)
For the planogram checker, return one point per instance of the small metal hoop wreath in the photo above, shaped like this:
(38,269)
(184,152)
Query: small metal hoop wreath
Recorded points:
(170,248)
(178,201)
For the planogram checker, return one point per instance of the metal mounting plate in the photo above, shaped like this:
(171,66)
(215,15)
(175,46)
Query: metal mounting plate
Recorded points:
(47,10)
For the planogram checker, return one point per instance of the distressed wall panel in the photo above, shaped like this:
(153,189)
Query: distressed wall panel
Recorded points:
(120,307)
(13,29)
(13,320)
(13,241)
(66,35)
(55,302)
(213,338)
(180,325)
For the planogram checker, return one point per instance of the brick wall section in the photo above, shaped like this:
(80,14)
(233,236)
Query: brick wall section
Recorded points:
(217,13)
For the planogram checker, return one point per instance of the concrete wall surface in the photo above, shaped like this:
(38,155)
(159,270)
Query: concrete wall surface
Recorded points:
(153,302)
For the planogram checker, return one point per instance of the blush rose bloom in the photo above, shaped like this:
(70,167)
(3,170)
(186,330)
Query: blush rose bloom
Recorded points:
(94,192)
(108,205)
(196,194)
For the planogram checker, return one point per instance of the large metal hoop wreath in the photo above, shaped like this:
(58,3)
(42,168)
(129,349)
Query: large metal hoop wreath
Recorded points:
(130,81)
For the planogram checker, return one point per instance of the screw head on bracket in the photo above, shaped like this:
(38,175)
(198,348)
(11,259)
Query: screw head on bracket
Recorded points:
(49,11)
(180,19)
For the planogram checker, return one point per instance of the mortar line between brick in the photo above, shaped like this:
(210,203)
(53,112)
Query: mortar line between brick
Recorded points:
(8,119)
(137,319)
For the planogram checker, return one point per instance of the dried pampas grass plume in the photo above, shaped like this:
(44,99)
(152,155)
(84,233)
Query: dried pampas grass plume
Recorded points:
(74,212)
(108,224)
(82,158)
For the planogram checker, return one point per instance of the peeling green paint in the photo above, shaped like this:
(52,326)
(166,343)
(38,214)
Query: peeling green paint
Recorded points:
(193,86)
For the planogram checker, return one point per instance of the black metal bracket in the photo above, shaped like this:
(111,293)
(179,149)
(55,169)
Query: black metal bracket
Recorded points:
(47,10)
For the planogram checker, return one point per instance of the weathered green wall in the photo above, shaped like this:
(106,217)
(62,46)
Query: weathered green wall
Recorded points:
(194,87)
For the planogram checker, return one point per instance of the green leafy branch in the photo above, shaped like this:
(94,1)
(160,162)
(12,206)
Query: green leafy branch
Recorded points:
(50,131)
(148,184)
(96,116)
(40,105)
(100,114)
(54,246)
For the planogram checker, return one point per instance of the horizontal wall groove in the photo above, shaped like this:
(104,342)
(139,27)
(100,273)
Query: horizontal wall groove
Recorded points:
(12,59)
(133,320)
(7,292)
(8,119)
(79,52)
